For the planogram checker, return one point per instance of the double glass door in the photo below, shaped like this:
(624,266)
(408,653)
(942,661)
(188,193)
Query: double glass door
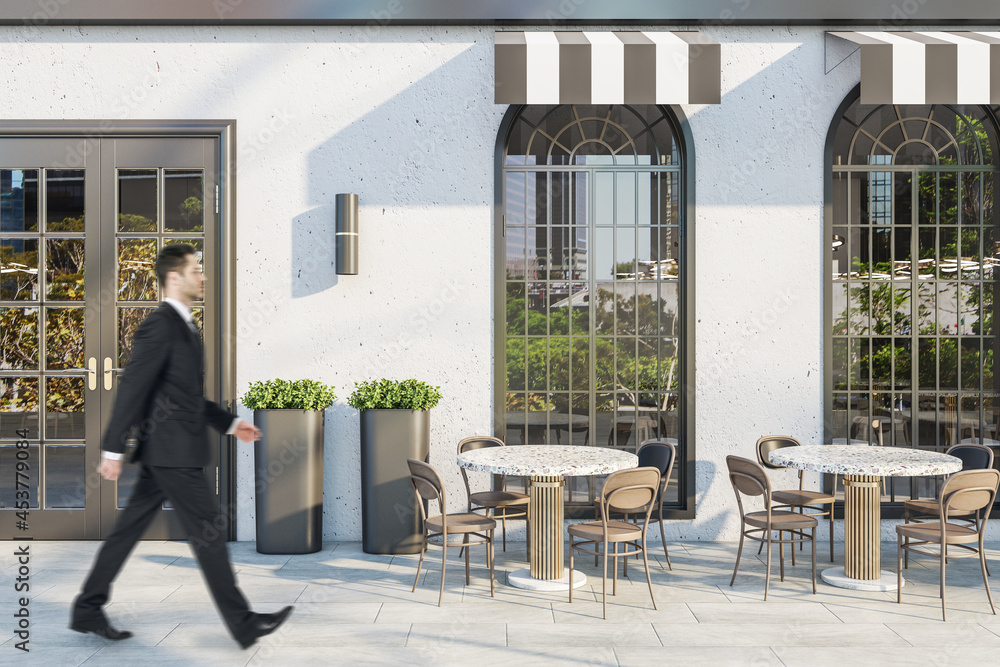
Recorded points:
(81,222)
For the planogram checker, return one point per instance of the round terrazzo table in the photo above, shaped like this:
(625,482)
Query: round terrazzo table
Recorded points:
(547,466)
(862,466)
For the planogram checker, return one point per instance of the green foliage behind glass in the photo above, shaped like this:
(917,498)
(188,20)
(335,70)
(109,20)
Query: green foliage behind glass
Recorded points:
(289,395)
(394,395)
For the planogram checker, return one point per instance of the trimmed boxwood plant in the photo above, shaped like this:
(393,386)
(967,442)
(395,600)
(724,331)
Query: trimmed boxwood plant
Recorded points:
(394,395)
(289,395)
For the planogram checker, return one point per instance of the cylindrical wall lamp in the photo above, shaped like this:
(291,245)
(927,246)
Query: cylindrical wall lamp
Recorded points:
(347,234)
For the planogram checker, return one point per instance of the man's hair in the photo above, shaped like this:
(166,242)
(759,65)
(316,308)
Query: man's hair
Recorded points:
(172,258)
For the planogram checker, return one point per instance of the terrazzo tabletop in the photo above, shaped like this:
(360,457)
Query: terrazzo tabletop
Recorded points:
(547,460)
(863,460)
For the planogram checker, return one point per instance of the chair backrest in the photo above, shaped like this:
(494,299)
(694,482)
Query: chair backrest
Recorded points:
(970,491)
(974,457)
(427,483)
(768,443)
(658,454)
(748,479)
(867,428)
(631,490)
(478,442)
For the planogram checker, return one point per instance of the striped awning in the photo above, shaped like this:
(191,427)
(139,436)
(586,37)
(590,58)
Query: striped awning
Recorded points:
(928,67)
(606,68)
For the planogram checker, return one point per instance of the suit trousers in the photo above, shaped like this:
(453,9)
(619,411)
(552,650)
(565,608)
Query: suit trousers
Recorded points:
(187,489)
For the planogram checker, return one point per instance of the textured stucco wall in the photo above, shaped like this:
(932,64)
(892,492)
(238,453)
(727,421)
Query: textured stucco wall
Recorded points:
(405,118)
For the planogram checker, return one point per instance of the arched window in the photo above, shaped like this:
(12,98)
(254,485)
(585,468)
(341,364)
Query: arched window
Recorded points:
(590,256)
(911,303)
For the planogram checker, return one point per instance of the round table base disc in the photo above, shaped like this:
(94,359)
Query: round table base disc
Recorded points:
(835,577)
(522,579)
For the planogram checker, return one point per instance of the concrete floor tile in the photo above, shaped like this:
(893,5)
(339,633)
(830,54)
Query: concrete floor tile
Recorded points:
(715,656)
(770,612)
(464,612)
(230,656)
(55,632)
(876,655)
(946,635)
(57,656)
(640,612)
(457,635)
(753,633)
(610,634)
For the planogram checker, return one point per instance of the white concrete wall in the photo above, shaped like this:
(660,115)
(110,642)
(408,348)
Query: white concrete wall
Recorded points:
(405,118)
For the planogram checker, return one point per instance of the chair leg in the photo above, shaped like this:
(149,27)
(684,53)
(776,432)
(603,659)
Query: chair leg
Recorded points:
(645,564)
(624,561)
(781,553)
(503,529)
(571,550)
(944,561)
(491,557)
(899,569)
(906,554)
(831,533)
(985,564)
(739,551)
(423,549)
(986,583)
(814,559)
(767,576)
(663,539)
(614,577)
(465,541)
(604,581)
(792,545)
(444,563)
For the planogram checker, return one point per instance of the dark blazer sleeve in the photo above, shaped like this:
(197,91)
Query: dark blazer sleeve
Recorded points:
(217,417)
(150,351)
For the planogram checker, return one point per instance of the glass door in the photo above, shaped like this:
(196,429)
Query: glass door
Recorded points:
(78,248)
(156,195)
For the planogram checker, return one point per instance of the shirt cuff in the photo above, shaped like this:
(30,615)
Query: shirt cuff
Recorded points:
(232,427)
(113,456)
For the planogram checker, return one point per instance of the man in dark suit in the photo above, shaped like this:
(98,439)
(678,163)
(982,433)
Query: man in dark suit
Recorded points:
(162,395)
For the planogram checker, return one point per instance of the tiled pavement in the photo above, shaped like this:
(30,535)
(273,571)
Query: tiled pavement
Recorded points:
(354,608)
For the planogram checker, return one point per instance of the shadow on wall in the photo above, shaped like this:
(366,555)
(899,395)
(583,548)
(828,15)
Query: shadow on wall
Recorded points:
(314,256)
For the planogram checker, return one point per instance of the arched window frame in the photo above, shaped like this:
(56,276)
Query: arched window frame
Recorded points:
(684,468)
(832,429)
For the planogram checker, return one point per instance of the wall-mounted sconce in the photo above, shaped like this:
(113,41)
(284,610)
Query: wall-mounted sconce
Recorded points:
(838,240)
(347,234)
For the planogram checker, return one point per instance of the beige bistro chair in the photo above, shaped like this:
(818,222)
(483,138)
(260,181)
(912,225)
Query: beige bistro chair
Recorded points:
(749,479)
(428,486)
(632,491)
(966,491)
(819,503)
(504,504)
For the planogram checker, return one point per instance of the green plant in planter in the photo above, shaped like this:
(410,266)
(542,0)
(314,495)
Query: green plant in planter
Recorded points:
(394,395)
(289,395)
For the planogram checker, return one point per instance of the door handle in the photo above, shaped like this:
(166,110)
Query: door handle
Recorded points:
(90,370)
(109,372)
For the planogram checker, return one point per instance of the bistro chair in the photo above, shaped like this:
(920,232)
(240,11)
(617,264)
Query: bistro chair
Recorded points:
(634,491)
(819,503)
(428,486)
(966,491)
(661,455)
(974,457)
(750,479)
(503,503)
(868,429)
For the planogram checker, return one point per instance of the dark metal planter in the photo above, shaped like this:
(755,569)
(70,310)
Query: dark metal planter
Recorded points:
(288,466)
(390,518)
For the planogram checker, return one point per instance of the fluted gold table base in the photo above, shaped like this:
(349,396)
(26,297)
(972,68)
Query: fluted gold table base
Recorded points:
(546,513)
(862,538)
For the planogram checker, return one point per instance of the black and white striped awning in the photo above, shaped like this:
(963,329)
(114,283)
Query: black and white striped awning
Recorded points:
(928,67)
(607,68)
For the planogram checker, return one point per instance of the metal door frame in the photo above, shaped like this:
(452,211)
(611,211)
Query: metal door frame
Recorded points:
(90,134)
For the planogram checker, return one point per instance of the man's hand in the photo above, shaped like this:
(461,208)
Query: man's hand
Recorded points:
(247,432)
(110,469)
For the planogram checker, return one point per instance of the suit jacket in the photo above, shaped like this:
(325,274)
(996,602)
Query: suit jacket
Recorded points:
(162,395)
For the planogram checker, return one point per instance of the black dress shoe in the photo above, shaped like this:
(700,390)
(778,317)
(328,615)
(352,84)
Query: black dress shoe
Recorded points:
(101,629)
(264,624)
